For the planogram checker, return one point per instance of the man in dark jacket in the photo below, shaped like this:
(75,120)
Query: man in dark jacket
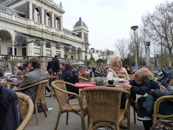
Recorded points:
(55,65)
(10,117)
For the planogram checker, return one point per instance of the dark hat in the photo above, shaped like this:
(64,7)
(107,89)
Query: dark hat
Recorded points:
(25,65)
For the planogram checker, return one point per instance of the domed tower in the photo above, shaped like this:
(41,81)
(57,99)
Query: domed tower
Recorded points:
(81,28)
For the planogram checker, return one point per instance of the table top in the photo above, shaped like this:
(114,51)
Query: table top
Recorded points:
(119,86)
(52,76)
(14,82)
(85,85)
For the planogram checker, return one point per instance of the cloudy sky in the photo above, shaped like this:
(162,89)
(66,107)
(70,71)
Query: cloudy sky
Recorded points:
(107,20)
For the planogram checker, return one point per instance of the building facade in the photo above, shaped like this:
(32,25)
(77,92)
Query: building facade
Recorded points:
(35,28)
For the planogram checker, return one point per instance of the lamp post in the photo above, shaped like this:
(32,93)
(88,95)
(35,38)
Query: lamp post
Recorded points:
(148,54)
(136,61)
(157,56)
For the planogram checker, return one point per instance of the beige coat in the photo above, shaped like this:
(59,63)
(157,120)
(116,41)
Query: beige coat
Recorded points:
(112,75)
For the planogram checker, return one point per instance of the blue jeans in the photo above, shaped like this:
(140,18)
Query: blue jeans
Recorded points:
(165,108)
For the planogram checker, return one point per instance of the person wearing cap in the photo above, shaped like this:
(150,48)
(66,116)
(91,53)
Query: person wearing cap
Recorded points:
(25,69)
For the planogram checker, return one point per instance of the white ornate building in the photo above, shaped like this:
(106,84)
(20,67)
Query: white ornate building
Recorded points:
(35,28)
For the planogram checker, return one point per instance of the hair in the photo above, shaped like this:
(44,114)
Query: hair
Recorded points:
(126,66)
(169,68)
(143,74)
(62,64)
(35,62)
(113,60)
(68,67)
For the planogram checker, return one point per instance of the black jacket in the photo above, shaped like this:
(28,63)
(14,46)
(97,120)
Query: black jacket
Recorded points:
(49,65)
(158,93)
(142,88)
(55,65)
(10,117)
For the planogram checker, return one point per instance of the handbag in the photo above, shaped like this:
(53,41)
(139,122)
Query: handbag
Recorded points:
(161,125)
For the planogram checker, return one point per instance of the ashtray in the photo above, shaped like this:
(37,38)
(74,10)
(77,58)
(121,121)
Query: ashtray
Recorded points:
(100,83)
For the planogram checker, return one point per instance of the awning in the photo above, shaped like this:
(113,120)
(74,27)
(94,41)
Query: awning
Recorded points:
(24,43)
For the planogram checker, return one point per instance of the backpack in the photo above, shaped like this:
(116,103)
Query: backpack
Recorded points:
(161,125)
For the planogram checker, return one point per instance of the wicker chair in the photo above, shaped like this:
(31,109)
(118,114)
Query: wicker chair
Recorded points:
(26,107)
(82,79)
(103,106)
(59,88)
(83,75)
(156,115)
(39,96)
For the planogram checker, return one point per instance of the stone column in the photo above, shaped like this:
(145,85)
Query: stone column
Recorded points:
(13,48)
(61,51)
(30,10)
(53,49)
(43,48)
(53,20)
(42,14)
(61,23)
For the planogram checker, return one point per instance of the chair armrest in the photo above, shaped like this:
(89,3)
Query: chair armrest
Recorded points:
(159,100)
(73,94)
(70,84)
(20,89)
(82,78)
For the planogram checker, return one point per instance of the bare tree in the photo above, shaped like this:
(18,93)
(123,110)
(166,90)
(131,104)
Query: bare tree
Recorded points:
(159,25)
(122,46)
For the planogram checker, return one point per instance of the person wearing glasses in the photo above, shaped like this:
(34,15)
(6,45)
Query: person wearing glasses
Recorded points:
(117,73)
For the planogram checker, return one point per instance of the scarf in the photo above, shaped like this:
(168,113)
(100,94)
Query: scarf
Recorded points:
(120,72)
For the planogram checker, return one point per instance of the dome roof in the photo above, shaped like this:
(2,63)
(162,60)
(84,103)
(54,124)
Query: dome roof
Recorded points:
(80,23)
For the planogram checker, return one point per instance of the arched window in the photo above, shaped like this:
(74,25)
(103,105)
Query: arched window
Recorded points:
(36,15)
(57,23)
(47,19)
(48,45)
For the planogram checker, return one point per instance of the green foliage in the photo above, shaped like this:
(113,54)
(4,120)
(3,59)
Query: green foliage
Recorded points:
(13,62)
(87,62)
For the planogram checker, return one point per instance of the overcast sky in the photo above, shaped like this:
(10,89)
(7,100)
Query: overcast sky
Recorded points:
(107,20)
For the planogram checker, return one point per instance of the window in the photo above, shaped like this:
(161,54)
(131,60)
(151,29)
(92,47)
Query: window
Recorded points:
(58,47)
(72,57)
(37,51)
(97,51)
(36,44)
(48,19)
(65,56)
(57,24)
(9,51)
(36,15)
(48,52)
(48,45)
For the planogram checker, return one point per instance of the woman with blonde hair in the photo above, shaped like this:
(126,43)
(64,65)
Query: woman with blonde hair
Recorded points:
(116,71)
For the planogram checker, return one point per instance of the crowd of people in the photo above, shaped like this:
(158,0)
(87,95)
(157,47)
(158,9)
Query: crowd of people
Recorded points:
(143,83)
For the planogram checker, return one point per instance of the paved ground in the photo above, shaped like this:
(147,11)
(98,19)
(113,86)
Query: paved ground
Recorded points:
(48,123)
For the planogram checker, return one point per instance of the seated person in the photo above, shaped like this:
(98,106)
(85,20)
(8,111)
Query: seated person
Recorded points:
(67,72)
(143,82)
(96,74)
(132,70)
(128,69)
(119,74)
(16,71)
(146,105)
(81,71)
(61,67)
(35,75)
(10,118)
(25,68)
(116,71)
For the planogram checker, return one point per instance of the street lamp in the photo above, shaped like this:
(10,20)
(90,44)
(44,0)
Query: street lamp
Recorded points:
(148,54)
(157,56)
(136,61)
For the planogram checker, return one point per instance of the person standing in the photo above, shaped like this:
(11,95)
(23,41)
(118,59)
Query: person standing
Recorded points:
(55,65)
(49,69)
